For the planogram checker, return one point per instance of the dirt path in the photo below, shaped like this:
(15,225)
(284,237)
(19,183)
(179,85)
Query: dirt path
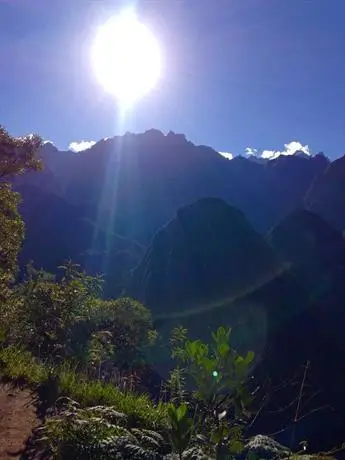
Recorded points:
(17,420)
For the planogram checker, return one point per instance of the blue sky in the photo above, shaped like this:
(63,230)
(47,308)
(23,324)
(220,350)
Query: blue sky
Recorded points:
(237,73)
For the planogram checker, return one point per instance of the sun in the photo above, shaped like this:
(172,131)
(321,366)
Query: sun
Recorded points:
(126,58)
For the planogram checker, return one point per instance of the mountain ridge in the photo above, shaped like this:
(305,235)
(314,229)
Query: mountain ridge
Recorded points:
(132,185)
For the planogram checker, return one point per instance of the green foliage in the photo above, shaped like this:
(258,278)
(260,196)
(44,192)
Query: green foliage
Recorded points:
(96,433)
(19,365)
(11,228)
(181,428)
(130,329)
(49,309)
(176,385)
(64,318)
(178,338)
(105,433)
(100,349)
(11,237)
(218,372)
(85,431)
(139,408)
(17,155)
(218,375)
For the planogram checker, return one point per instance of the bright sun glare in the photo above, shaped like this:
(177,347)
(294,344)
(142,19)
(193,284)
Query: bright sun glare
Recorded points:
(126,58)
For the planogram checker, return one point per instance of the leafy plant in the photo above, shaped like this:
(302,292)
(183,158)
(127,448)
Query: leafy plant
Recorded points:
(178,338)
(218,376)
(18,154)
(130,326)
(11,236)
(49,309)
(100,349)
(218,372)
(176,385)
(181,428)
(63,317)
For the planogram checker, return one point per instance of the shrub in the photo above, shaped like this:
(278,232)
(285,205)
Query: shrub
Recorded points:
(49,308)
(218,376)
(64,318)
(17,364)
(129,327)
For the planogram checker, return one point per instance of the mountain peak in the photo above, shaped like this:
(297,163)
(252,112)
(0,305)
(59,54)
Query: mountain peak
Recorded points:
(201,256)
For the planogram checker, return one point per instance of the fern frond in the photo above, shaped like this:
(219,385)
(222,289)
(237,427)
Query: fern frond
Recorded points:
(137,452)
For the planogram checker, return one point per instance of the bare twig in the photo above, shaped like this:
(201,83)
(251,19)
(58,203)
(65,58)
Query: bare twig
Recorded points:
(300,395)
(317,409)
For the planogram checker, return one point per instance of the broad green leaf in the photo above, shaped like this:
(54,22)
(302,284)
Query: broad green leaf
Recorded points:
(223,349)
(181,412)
(220,433)
(235,446)
(249,357)
(209,364)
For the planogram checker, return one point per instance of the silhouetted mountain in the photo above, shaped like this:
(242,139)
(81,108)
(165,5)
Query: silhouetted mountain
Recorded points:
(57,230)
(327,194)
(315,253)
(290,178)
(308,243)
(206,254)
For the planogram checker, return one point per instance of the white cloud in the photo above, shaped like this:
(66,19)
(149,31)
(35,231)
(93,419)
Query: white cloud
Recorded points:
(251,151)
(80,146)
(269,154)
(295,146)
(289,149)
(227,155)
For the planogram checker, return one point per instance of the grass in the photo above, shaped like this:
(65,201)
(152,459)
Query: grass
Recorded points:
(18,365)
(138,408)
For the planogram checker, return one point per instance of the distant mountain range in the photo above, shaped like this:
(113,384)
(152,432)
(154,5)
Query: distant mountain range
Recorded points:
(105,204)
(131,185)
(203,240)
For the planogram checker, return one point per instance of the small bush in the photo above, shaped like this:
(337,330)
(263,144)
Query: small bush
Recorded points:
(18,364)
